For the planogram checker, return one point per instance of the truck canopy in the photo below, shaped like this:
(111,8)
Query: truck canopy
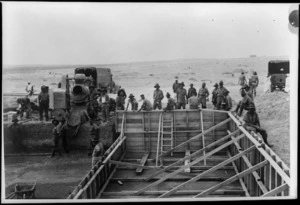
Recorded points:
(279,67)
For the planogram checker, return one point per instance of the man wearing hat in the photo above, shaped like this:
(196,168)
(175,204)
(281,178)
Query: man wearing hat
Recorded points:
(175,86)
(16,132)
(251,123)
(253,82)
(243,103)
(247,90)
(181,96)
(43,99)
(56,137)
(133,102)
(203,95)
(215,95)
(104,99)
(171,103)
(221,95)
(147,106)
(242,79)
(157,97)
(191,91)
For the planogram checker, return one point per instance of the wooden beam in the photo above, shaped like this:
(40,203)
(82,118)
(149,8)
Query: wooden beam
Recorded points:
(232,179)
(142,163)
(186,162)
(197,136)
(277,190)
(130,164)
(192,163)
(203,137)
(208,171)
(192,155)
(158,138)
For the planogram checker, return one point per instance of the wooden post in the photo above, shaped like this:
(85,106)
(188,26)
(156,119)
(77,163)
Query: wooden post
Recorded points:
(203,137)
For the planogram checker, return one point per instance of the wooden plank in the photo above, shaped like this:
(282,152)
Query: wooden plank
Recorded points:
(203,137)
(158,138)
(276,190)
(232,179)
(208,171)
(130,164)
(187,161)
(142,163)
(192,163)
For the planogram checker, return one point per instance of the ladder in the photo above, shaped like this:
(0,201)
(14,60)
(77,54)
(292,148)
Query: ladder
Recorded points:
(166,135)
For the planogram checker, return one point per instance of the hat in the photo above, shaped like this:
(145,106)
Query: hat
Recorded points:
(55,120)
(251,106)
(142,95)
(221,82)
(182,83)
(131,96)
(156,85)
(191,84)
(216,85)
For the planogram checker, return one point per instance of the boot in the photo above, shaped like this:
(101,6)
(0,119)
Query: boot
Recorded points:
(266,141)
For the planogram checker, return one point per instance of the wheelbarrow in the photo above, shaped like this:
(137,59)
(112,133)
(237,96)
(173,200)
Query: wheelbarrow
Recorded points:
(25,190)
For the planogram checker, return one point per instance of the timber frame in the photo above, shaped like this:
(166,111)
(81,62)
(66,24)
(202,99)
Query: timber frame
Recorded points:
(210,140)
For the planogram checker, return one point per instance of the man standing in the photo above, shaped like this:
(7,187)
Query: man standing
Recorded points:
(194,101)
(120,100)
(181,96)
(247,90)
(93,104)
(171,103)
(215,95)
(93,136)
(242,79)
(29,89)
(244,103)
(56,134)
(105,105)
(175,86)
(228,101)
(157,96)
(146,106)
(203,95)
(254,83)
(191,91)
(221,95)
(16,132)
(133,102)
(44,103)
(251,123)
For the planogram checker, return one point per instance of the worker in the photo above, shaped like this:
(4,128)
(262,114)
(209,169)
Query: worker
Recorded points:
(170,104)
(228,101)
(105,105)
(252,123)
(158,95)
(215,96)
(247,90)
(98,153)
(29,89)
(133,102)
(146,106)
(43,99)
(24,106)
(242,79)
(244,103)
(203,95)
(175,86)
(56,137)
(191,91)
(194,101)
(93,136)
(253,83)
(16,132)
(120,100)
(221,95)
(93,107)
(181,96)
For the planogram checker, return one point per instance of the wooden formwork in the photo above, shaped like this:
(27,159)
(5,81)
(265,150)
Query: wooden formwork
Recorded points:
(213,156)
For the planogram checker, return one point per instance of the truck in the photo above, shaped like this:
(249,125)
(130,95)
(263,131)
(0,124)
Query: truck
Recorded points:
(278,70)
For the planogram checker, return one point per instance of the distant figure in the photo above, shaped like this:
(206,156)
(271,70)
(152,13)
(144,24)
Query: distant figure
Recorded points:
(105,105)
(171,105)
(203,95)
(253,83)
(175,86)
(98,153)
(25,106)
(29,89)
(93,136)
(252,123)
(157,97)
(228,101)
(194,101)
(215,95)
(133,102)
(191,91)
(181,96)
(146,106)
(43,99)
(120,100)
(16,132)
(56,137)
(242,79)
(221,95)
(244,103)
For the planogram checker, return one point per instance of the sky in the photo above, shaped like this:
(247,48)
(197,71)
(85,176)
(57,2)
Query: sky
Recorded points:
(53,33)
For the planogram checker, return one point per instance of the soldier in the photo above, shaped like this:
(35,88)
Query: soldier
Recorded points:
(253,83)
(44,103)
(242,79)
(93,104)
(247,90)
(228,101)
(147,106)
(252,123)
(16,132)
(175,86)
(221,95)
(25,106)
(181,96)
(120,100)
(93,135)
(98,153)
(157,96)
(133,102)
(203,95)
(191,91)
(244,103)
(171,103)
(29,89)
(215,95)
(105,105)
(56,134)
(194,101)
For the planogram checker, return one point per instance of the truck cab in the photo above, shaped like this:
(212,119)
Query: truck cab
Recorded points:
(278,70)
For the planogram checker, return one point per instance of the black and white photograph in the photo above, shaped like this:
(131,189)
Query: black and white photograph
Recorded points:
(149,102)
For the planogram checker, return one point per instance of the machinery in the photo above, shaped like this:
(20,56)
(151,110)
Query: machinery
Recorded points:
(278,71)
